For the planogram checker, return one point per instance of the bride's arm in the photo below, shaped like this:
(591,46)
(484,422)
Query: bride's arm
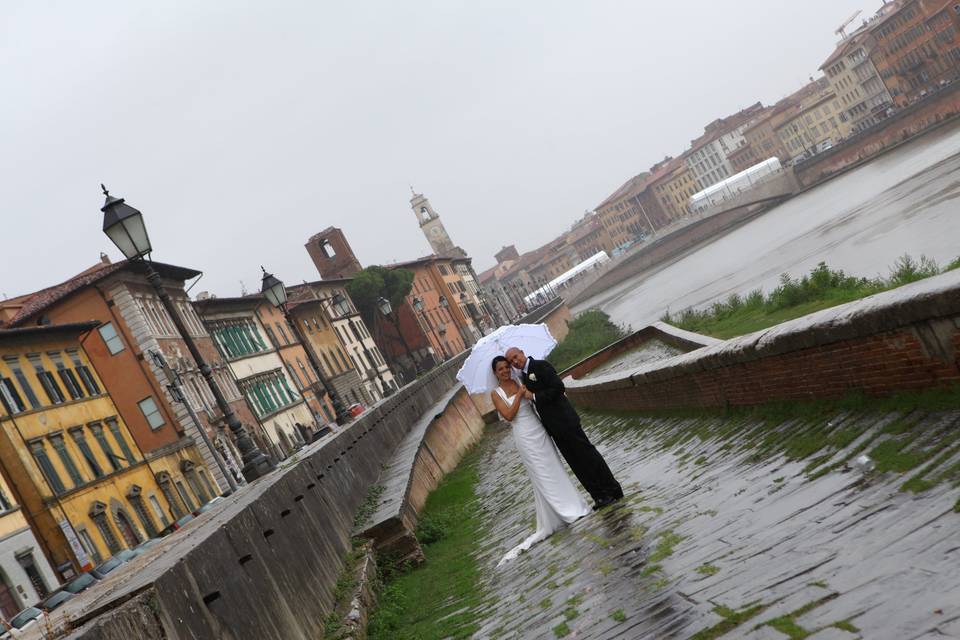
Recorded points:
(508,412)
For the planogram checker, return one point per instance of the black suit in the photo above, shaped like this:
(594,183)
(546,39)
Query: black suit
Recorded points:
(561,421)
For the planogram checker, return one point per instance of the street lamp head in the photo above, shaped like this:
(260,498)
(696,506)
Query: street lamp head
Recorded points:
(418,304)
(272,288)
(443,302)
(385,307)
(463,297)
(340,304)
(124,226)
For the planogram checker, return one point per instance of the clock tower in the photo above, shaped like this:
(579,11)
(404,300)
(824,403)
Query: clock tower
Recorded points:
(433,228)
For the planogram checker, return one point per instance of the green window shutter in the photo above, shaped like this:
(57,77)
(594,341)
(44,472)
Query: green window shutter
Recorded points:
(293,396)
(284,398)
(259,339)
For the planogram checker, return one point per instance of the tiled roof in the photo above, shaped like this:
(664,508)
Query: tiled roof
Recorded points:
(631,187)
(38,301)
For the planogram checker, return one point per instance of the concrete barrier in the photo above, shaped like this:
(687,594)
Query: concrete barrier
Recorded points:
(265,564)
(431,450)
(903,340)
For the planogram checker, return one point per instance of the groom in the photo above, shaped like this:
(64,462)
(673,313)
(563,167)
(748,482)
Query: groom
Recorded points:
(561,421)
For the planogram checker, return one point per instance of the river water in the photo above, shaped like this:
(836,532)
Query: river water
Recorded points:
(903,202)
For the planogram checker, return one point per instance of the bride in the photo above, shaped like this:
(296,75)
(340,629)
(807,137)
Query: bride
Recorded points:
(557,500)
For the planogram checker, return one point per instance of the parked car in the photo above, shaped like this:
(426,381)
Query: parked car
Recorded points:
(26,618)
(81,583)
(206,507)
(170,528)
(54,600)
(101,570)
(142,548)
(356,409)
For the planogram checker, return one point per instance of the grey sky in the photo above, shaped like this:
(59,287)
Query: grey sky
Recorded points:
(241,128)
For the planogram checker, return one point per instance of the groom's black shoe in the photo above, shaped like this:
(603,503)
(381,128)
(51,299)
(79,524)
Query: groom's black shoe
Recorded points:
(605,501)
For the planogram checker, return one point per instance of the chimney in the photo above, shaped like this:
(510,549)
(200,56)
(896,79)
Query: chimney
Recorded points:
(104,258)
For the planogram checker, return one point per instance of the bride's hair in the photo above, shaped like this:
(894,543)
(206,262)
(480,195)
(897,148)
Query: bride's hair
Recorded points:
(493,365)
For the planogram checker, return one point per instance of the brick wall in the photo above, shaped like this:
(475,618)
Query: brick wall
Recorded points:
(902,340)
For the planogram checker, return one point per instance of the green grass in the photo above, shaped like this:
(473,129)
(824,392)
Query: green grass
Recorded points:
(731,620)
(846,625)
(590,332)
(561,630)
(420,604)
(664,549)
(708,569)
(822,288)
(618,616)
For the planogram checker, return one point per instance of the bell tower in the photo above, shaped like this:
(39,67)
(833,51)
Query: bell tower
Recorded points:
(432,227)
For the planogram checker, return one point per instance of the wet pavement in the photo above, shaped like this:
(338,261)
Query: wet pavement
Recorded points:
(905,201)
(649,351)
(721,535)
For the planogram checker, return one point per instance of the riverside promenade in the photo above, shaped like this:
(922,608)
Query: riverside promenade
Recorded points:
(726,532)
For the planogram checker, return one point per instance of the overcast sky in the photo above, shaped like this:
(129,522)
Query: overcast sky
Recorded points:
(242,128)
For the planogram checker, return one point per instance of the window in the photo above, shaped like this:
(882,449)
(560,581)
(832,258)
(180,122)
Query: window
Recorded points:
(151,412)
(5,504)
(187,500)
(9,397)
(46,466)
(85,451)
(157,510)
(47,381)
(101,439)
(68,378)
(86,376)
(60,446)
(114,427)
(87,543)
(283,333)
(111,339)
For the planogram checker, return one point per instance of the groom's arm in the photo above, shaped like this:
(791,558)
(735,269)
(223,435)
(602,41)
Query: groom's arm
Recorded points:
(550,387)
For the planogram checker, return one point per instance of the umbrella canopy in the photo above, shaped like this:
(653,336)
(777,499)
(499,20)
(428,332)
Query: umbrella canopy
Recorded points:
(533,339)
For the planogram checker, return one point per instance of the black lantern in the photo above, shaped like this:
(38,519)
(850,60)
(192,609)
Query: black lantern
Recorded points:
(385,307)
(340,305)
(124,226)
(273,289)
(418,304)
(443,302)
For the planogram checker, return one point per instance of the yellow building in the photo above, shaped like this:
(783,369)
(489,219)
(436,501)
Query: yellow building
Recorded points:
(25,575)
(85,487)
(814,128)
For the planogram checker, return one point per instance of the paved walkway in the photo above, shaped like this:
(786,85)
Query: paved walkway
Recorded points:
(711,535)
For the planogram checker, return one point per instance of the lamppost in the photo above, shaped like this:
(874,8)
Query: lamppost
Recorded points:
(125,227)
(418,305)
(387,310)
(340,305)
(276,294)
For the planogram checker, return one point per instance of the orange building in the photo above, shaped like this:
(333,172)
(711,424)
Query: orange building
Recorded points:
(133,323)
(444,317)
(917,48)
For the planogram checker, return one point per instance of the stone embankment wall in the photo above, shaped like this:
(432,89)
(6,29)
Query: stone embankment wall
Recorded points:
(902,340)
(671,246)
(939,108)
(678,338)
(265,565)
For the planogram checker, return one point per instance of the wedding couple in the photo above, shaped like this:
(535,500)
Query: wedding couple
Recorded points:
(543,421)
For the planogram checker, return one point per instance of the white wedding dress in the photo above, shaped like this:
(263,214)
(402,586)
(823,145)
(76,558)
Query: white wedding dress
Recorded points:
(557,500)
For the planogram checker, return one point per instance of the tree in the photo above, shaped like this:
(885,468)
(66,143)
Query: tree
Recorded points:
(369,285)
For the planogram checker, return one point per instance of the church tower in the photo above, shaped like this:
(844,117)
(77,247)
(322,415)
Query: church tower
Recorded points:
(433,228)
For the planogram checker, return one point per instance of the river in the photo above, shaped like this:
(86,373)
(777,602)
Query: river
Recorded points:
(904,202)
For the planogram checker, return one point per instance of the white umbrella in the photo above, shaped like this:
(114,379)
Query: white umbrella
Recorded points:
(534,340)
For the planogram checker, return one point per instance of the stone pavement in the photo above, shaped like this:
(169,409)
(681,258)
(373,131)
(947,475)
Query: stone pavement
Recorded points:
(713,538)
